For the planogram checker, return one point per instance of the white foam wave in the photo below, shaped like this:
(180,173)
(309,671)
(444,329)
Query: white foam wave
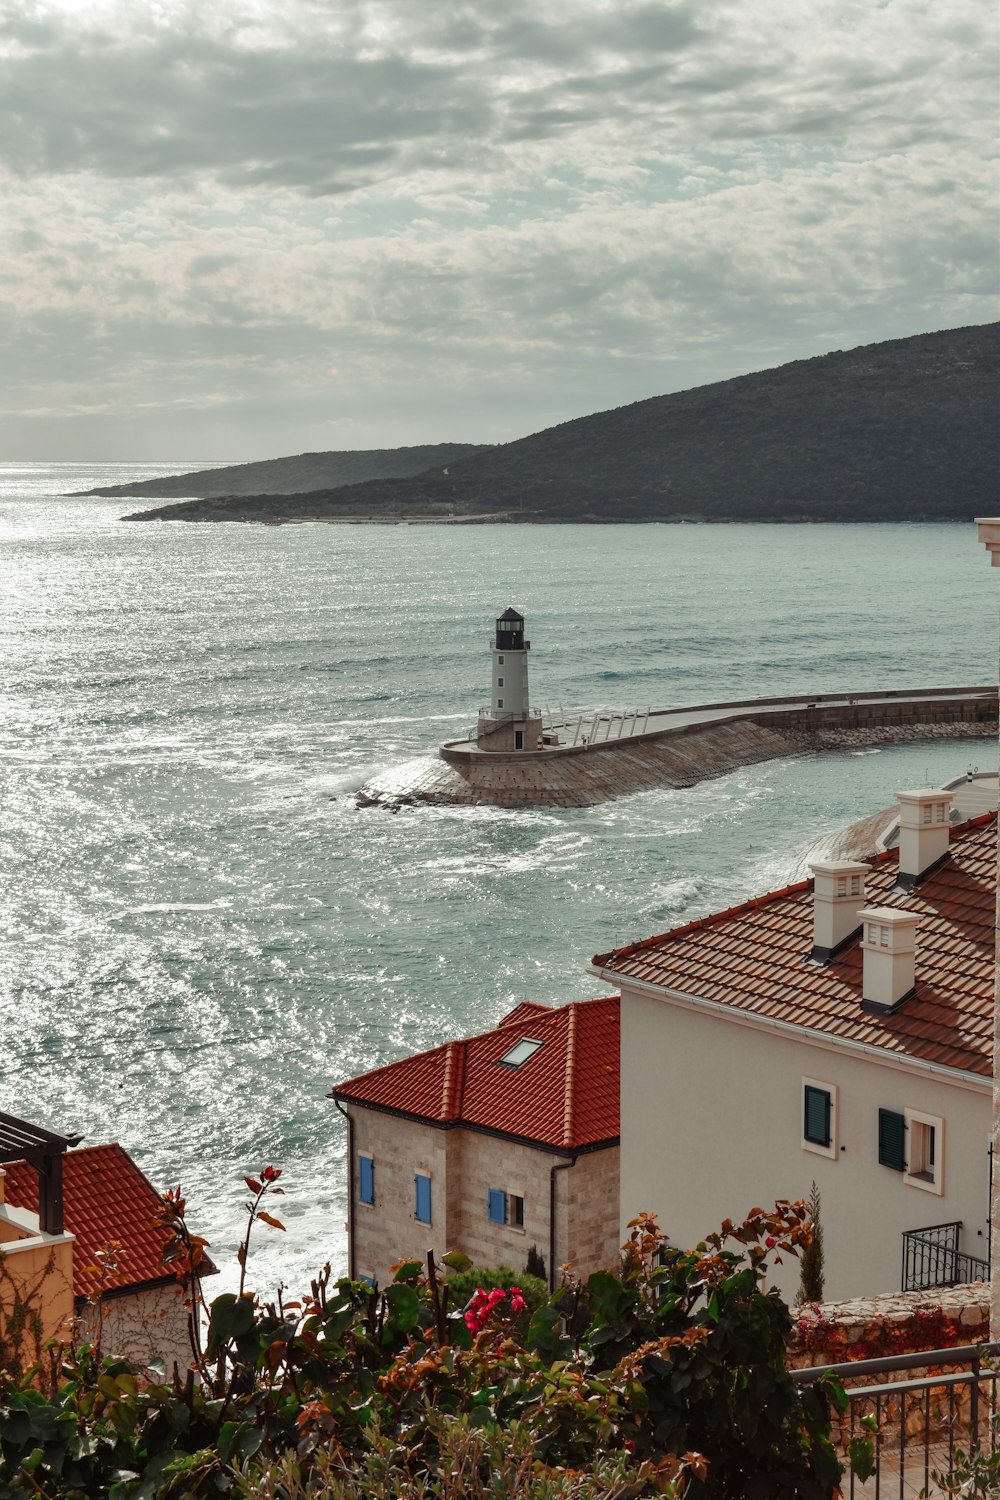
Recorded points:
(160,906)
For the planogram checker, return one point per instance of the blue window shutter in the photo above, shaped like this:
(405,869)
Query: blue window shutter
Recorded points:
(366,1179)
(496,1200)
(892,1140)
(816,1126)
(423,1207)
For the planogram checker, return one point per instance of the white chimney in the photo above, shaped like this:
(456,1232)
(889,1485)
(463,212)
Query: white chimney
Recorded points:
(838,896)
(888,948)
(924,831)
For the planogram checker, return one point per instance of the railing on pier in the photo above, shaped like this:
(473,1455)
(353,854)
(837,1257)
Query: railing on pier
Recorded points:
(932,1257)
(924,1433)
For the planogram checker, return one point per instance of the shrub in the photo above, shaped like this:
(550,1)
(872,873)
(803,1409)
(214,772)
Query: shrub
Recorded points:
(813,1269)
(463,1284)
(667,1379)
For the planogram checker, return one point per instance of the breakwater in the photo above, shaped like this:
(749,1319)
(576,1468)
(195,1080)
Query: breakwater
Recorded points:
(680,747)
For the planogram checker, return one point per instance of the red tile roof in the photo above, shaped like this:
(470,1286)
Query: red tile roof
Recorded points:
(106,1200)
(564,1096)
(751,958)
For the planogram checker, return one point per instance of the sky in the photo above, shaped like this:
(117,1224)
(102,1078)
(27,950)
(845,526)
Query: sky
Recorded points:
(244,228)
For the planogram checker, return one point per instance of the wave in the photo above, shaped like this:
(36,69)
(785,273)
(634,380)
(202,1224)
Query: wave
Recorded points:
(221,904)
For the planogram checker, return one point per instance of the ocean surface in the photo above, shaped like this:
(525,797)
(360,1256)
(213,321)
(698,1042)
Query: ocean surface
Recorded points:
(201,933)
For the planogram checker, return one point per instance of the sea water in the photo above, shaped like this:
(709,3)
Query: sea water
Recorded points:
(201,932)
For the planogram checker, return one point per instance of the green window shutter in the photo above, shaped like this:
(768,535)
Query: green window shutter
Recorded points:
(496,1205)
(817,1111)
(423,1195)
(366,1179)
(892,1140)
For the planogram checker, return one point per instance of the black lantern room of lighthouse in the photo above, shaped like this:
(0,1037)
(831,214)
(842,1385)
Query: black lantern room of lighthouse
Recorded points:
(510,632)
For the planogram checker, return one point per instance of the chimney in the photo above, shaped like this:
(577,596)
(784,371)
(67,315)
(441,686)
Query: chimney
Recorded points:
(838,895)
(924,830)
(888,949)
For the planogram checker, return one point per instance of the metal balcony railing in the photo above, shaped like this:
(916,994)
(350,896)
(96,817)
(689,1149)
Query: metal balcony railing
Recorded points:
(932,1257)
(923,1432)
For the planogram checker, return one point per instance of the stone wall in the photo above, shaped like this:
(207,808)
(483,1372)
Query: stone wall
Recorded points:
(463,1165)
(957,1315)
(144,1326)
(587,776)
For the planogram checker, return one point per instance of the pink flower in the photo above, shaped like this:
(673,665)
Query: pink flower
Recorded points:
(770,1242)
(629,1444)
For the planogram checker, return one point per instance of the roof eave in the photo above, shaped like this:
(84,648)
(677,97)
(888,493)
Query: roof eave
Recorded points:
(962,1078)
(551,1147)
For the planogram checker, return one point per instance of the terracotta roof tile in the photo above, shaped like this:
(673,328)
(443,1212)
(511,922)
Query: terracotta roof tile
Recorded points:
(106,1200)
(565,1095)
(752,958)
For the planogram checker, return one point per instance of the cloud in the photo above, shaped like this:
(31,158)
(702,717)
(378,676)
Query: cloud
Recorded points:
(564,201)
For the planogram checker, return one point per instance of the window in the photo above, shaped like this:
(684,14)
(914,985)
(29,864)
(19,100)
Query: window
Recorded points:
(499,682)
(499,703)
(525,1048)
(500,660)
(925,1151)
(366,1179)
(505,1208)
(422,1211)
(892,1139)
(819,1117)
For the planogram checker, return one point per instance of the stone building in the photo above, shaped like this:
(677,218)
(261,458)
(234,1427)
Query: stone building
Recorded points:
(108,1208)
(491,1145)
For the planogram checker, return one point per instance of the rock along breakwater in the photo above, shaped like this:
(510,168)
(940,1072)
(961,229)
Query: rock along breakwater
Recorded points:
(680,747)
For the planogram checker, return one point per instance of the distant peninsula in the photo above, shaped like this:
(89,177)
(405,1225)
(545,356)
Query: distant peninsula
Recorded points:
(294,476)
(900,431)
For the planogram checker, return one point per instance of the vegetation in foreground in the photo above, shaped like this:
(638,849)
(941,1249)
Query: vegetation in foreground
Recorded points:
(667,1379)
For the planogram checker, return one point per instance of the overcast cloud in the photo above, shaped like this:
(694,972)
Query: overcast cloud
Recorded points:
(256,228)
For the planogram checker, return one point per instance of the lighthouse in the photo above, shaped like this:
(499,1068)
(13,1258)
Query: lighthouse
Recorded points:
(508,723)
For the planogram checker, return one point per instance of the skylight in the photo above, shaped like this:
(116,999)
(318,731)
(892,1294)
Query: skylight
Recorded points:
(520,1052)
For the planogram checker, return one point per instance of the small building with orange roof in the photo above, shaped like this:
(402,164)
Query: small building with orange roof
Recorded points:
(120,1286)
(492,1145)
(838,1031)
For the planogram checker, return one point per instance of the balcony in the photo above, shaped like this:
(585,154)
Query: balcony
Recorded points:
(933,1257)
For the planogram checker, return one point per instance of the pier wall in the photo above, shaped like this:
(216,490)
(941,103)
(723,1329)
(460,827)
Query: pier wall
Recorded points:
(678,754)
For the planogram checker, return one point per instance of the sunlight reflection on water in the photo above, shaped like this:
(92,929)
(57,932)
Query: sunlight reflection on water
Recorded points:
(203,933)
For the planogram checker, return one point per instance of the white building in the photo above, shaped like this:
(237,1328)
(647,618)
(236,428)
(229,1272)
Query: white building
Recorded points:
(508,723)
(838,1031)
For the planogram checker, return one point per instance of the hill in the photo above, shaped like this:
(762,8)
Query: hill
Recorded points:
(900,431)
(292,476)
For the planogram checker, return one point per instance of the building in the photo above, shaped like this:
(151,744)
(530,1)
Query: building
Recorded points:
(36,1249)
(509,723)
(490,1145)
(108,1208)
(837,1031)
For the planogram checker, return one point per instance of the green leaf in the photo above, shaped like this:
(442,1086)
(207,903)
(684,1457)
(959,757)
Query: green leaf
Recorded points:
(862,1456)
(408,1270)
(457,1260)
(231,1317)
(404,1307)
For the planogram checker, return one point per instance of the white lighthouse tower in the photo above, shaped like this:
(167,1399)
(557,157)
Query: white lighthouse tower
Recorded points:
(508,723)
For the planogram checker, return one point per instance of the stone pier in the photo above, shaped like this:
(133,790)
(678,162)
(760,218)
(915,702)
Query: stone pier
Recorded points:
(677,748)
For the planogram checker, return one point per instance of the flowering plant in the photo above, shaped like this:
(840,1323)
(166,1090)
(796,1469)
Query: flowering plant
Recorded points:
(486,1307)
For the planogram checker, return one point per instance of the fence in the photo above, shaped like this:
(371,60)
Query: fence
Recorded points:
(918,1424)
(931,1257)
